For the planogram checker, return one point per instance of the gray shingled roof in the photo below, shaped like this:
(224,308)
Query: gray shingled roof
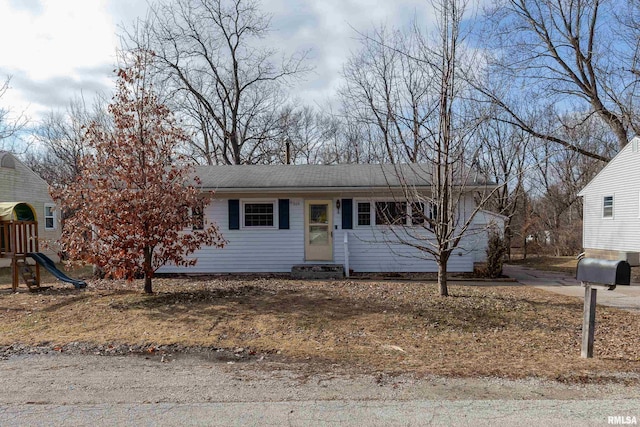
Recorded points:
(365,176)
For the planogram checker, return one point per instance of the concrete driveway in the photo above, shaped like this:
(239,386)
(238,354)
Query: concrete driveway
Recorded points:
(623,297)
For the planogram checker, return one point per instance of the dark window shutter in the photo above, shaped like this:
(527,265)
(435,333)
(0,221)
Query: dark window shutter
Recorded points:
(283,214)
(234,214)
(347,214)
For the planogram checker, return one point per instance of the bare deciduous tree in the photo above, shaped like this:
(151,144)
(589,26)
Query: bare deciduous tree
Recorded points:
(558,175)
(390,93)
(553,53)
(416,101)
(9,126)
(61,142)
(219,73)
(503,157)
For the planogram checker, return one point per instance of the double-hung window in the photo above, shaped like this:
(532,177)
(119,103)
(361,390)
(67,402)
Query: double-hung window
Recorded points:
(258,214)
(391,213)
(197,216)
(607,207)
(364,213)
(49,217)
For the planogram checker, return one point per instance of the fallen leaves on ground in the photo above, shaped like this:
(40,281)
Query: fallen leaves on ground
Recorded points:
(358,325)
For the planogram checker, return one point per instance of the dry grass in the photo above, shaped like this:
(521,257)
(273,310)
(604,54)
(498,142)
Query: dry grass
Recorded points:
(508,331)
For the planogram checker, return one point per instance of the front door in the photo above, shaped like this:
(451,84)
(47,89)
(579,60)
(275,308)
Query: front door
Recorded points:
(318,234)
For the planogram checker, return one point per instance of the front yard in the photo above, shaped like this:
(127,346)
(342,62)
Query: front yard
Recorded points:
(358,326)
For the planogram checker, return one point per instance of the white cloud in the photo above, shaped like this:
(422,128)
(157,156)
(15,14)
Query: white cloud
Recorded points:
(53,41)
(55,49)
(58,39)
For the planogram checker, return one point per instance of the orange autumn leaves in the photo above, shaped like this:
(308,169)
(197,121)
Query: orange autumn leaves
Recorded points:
(130,210)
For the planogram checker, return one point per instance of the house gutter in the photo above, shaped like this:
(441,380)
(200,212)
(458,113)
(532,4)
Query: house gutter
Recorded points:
(327,189)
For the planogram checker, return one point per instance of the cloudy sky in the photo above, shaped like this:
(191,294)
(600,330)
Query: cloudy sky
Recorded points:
(56,49)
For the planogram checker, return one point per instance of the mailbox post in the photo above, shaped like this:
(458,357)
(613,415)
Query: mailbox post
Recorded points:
(597,274)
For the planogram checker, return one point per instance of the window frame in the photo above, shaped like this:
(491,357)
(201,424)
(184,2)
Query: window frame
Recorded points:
(605,207)
(53,216)
(272,202)
(363,202)
(396,220)
(373,217)
(198,224)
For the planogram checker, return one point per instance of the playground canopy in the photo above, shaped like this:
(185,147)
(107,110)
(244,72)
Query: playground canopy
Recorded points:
(17,211)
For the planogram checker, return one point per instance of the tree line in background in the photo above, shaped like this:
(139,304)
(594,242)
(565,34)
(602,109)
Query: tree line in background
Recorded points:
(534,94)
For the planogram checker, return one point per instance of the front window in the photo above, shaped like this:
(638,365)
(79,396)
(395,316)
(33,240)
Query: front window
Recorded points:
(364,213)
(390,213)
(607,207)
(49,217)
(197,216)
(258,214)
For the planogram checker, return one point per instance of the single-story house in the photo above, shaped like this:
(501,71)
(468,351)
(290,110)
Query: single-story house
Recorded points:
(18,183)
(275,217)
(611,208)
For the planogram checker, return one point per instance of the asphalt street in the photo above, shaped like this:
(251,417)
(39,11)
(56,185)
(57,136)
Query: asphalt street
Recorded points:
(330,413)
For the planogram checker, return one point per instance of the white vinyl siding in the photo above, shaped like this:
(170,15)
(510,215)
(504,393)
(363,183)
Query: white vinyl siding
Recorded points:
(622,232)
(262,250)
(250,250)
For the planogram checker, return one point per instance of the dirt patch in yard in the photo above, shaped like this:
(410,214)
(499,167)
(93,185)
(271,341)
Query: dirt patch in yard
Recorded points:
(357,326)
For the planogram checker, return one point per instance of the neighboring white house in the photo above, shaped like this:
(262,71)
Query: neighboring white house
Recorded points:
(278,216)
(611,218)
(18,183)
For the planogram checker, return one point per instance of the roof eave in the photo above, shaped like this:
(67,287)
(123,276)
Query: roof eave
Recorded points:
(327,189)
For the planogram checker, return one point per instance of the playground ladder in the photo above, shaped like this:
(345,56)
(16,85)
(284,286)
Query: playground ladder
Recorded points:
(27,273)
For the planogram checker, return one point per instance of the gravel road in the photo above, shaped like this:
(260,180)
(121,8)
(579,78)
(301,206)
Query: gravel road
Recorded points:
(59,389)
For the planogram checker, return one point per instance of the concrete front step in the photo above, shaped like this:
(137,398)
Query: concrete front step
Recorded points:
(317,271)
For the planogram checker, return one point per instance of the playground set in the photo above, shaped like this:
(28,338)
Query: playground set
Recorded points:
(19,241)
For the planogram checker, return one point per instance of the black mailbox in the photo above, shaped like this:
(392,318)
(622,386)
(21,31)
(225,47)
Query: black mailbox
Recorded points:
(604,272)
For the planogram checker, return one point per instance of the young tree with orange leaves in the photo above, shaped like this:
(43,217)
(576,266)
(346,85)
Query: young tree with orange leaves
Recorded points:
(132,203)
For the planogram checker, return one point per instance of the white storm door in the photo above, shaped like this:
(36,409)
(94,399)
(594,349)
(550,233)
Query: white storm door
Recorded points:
(318,230)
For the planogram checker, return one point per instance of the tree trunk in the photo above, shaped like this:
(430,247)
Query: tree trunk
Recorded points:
(442,278)
(147,284)
(148,253)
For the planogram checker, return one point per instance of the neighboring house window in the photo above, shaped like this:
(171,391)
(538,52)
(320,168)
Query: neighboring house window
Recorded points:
(197,216)
(388,213)
(258,214)
(607,207)
(49,217)
(364,213)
